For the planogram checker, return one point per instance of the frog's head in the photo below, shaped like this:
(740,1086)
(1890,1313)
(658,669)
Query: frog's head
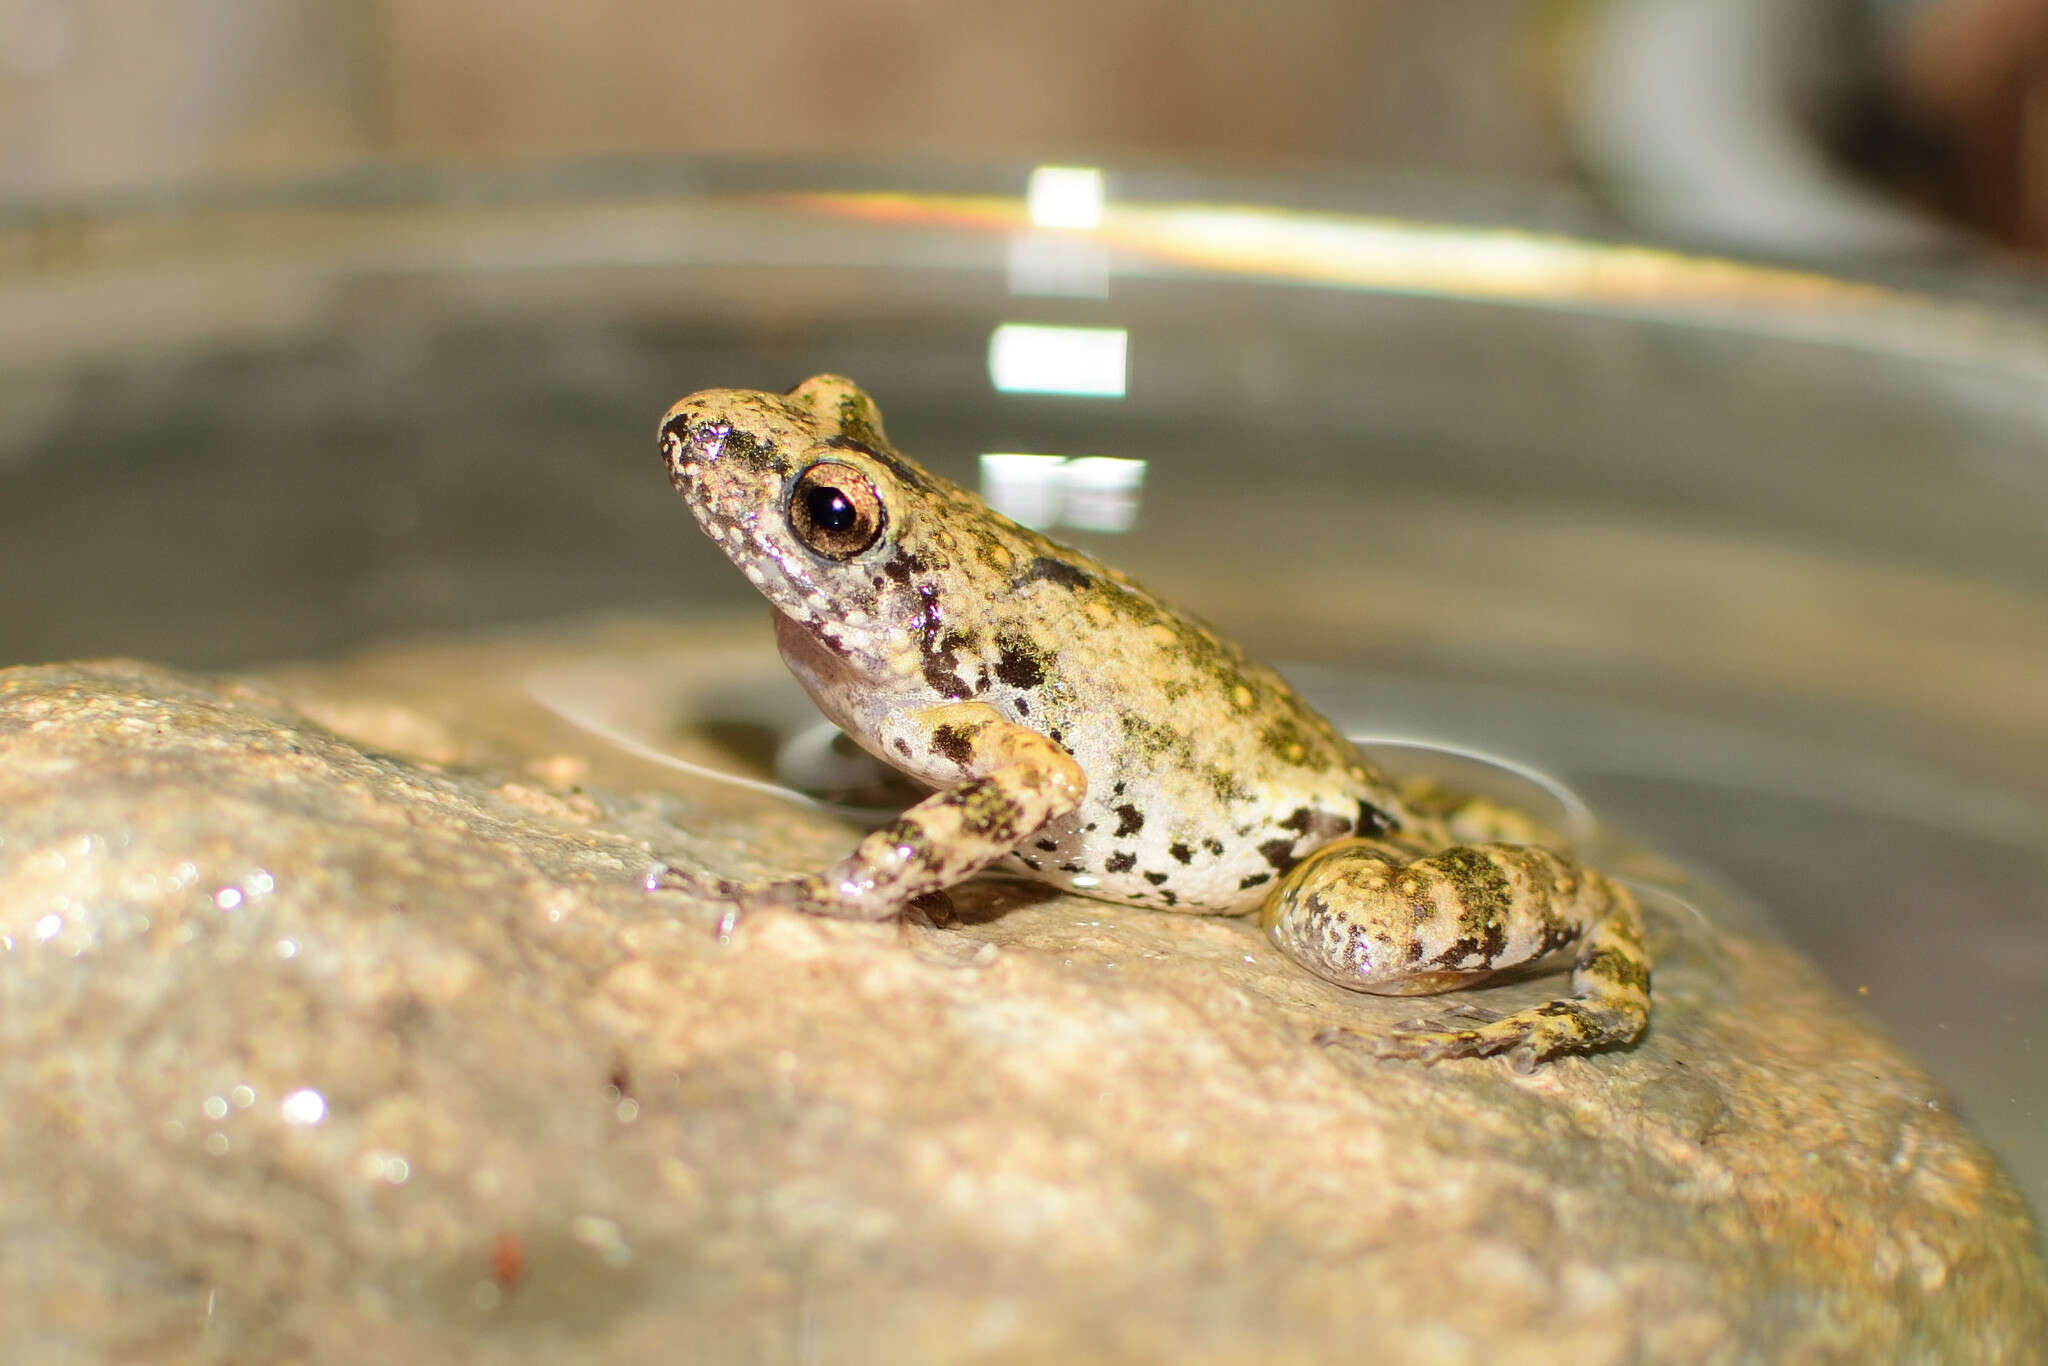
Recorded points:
(801,491)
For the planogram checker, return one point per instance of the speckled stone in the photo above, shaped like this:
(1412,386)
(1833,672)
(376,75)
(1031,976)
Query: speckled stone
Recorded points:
(359,1039)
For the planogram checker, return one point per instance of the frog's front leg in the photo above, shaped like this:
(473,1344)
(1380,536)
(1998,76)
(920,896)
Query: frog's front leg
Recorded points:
(1369,915)
(1014,780)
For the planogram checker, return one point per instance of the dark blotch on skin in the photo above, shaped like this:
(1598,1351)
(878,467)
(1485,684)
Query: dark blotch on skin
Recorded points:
(850,443)
(1048,845)
(1017,664)
(1214,846)
(1373,821)
(1619,968)
(1157,879)
(1023,706)
(1323,826)
(1181,853)
(1279,853)
(1129,820)
(1254,880)
(987,812)
(1484,898)
(1121,862)
(1462,950)
(1059,571)
(903,747)
(1169,898)
(953,742)
(1072,868)
(940,650)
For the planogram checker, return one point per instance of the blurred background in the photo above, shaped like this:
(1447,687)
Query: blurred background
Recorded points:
(1822,124)
(1654,392)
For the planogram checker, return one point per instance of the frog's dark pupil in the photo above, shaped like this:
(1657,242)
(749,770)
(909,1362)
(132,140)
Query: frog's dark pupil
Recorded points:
(830,509)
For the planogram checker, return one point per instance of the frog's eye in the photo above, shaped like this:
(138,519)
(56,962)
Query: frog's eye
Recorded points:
(835,510)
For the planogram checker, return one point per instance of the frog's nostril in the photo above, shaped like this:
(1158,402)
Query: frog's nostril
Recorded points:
(707,439)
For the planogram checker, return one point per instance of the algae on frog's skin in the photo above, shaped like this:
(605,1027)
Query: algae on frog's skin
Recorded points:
(1131,752)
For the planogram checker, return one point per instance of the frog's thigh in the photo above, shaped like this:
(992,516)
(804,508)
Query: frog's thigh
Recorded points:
(1014,781)
(1365,915)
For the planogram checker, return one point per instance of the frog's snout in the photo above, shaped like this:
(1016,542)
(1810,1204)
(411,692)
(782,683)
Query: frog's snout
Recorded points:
(689,437)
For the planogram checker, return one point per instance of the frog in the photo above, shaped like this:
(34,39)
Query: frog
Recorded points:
(1074,728)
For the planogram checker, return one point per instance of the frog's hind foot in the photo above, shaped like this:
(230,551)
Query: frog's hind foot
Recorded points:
(1529,1038)
(732,899)
(1364,915)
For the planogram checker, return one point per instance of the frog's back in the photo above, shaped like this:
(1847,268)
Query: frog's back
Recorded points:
(1208,775)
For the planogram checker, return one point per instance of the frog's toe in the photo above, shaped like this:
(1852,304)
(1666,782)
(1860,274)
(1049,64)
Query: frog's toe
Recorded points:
(730,898)
(1421,1040)
(1471,1014)
(664,877)
(1459,1032)
(1430,1041)
(1530,1038)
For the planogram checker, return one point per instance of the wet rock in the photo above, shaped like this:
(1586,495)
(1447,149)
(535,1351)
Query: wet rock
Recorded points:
(360,1039)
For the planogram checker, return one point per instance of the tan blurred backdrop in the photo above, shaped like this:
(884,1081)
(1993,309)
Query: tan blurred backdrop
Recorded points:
(1795,125)
(99,94)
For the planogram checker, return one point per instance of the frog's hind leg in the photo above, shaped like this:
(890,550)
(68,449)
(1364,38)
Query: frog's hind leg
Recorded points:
(1366,914)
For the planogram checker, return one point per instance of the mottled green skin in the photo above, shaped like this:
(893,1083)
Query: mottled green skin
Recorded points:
(1102,741)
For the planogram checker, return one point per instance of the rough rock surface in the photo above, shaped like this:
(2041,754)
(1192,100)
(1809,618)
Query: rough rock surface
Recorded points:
(359,1040)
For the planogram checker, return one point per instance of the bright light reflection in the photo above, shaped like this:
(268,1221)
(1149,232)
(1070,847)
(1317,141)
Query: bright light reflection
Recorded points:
(1025,488)
(1056,265)
(1065,197)
(1092,492)
(602,1236)
(1102,492)
(391,1168)
(304,1107)
(1084,361)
